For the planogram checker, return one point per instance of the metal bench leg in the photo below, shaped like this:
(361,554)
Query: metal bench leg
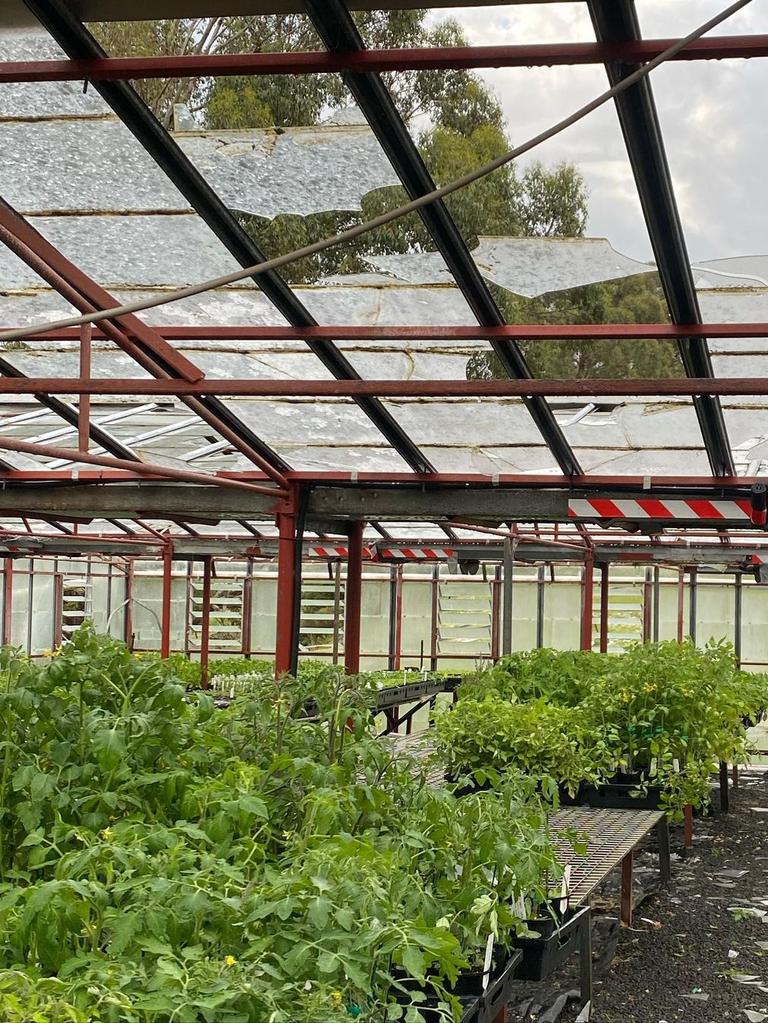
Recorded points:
(585,959)
(662,837)
(687,827)
(627,865)
(724,801)
(502,1017)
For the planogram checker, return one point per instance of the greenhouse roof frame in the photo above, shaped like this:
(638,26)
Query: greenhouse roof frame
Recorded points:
(334,499)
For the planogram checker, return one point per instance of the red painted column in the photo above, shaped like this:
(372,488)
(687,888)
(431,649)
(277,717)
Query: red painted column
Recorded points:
(205,630)
(286,571)
(587,603)
(165,615)
(605,586)
(353,599)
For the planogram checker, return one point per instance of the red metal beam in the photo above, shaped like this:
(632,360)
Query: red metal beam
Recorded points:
(418,59)
(432,332)
(353,599)
(574,388)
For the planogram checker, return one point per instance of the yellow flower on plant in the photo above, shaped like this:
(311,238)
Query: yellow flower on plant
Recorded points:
(230,960)
(336,997)
(106,834)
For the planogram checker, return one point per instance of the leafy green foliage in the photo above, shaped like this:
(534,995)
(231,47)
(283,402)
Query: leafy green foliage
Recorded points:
(164,861)
(667,712)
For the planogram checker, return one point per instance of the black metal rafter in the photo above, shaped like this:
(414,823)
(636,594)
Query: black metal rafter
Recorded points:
(78,43)
(616,21)
(338,32)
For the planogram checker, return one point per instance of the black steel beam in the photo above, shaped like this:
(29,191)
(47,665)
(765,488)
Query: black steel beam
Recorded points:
(78,43)
(339,33)
(616,21)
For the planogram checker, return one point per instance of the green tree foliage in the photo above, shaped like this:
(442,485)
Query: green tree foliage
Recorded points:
(636,299)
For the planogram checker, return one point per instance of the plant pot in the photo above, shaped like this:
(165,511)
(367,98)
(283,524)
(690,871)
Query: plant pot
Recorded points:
(577,799)
(621,797)
(554,945)
(468,787)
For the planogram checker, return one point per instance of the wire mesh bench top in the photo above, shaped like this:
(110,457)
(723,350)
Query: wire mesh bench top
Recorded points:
(610,836)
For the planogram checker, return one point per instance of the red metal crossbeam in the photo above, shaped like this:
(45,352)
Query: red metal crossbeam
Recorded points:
(418,59)
(591,388)
(510,332)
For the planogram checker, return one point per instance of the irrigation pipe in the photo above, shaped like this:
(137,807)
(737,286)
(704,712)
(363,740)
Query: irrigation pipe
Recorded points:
(401,211)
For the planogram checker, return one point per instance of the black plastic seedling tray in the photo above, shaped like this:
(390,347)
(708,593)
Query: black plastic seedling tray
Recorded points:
(544,954)
(620,797)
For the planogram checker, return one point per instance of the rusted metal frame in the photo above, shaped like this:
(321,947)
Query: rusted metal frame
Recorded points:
(503,388)
(353,601)
(338,32)
(605,587)
(245,632)
(587,606)
(142,468)
(205,625)
(165,601)
(616,21)
(78,43)
(149,350)
(434,619)
(428,58)
(433,332)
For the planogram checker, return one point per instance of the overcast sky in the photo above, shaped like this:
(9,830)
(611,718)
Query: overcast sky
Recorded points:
(714,115)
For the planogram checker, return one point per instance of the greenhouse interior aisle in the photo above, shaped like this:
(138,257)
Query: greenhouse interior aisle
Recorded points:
(378,639)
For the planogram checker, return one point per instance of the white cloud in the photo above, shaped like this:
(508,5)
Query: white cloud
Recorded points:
(712,114)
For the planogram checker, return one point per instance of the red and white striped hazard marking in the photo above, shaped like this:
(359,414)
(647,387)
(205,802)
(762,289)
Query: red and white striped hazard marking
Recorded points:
(654,508)
(417,553)
(330,552)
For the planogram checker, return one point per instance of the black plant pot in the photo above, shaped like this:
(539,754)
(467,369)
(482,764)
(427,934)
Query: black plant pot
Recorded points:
(621,796)
(555,943)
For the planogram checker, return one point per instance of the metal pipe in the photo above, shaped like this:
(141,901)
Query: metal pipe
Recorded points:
(541,592)
(692,607)
(245,632)
(84,405)
(142,468)
(647,602)
(298,555)
(128,620)
(680,604)
(434,630)
(337,605)
(656,604)
(428,58)
(395,616)
(496,591)
(353,600)
(737,618)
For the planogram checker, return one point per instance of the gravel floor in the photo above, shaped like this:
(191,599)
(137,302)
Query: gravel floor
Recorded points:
(697,953)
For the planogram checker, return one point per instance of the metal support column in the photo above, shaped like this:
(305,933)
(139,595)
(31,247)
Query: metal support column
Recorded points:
(656,604)
(587,606)
(693,602)
(435,618)
(336,611)
(165,615)
(7,599)
(495,612)
(647,604)
(605,585)
(284,618)
(353,599)
(680,604)
(541,593)
(507,597)
(205,626)
(245,631)
(737,619)
(128,620)
(395,616)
